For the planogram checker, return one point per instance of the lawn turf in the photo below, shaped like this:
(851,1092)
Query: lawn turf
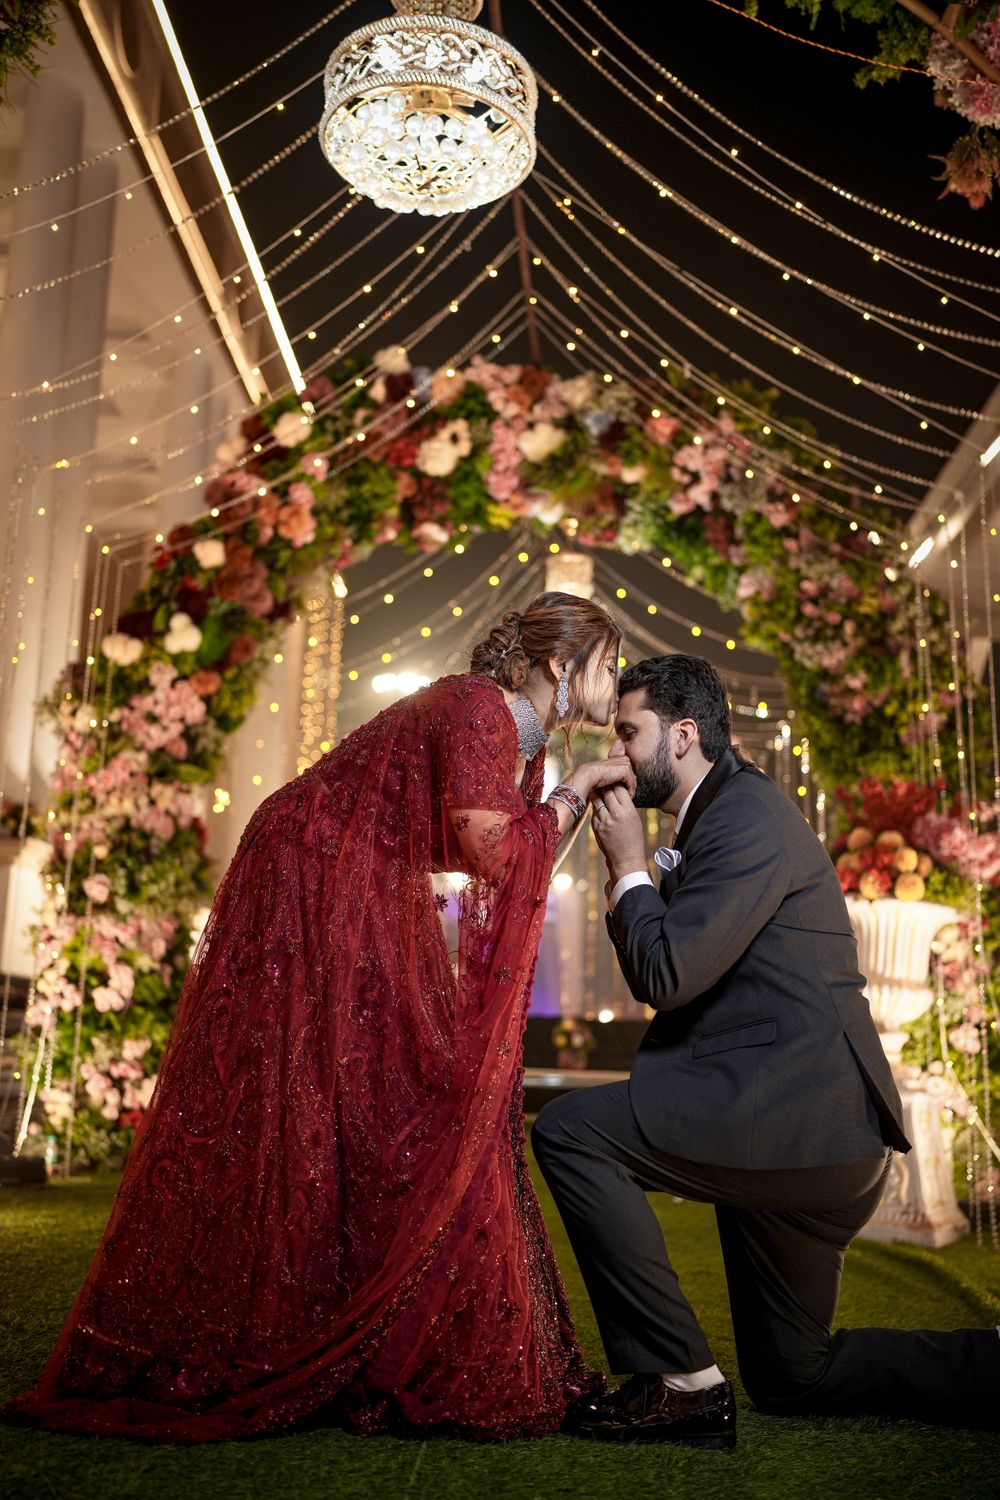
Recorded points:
(48,1237)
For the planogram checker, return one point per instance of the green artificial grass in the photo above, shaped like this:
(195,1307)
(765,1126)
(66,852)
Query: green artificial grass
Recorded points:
(49,1235)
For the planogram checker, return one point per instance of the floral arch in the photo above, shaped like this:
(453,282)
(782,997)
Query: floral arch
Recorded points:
(392,452)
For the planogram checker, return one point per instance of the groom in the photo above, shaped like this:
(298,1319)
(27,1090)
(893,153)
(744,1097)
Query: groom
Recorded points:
(761,1087)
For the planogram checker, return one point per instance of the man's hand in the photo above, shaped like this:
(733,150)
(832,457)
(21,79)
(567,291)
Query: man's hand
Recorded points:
(619,832)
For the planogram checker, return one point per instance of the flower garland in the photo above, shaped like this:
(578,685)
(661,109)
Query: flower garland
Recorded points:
(419,457)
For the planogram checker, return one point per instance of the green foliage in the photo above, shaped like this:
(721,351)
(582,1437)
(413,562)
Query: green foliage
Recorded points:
(26,26)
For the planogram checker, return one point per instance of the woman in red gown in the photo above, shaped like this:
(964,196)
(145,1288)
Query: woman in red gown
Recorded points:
(326,1211)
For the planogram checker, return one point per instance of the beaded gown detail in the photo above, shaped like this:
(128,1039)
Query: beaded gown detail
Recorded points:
(326,1208)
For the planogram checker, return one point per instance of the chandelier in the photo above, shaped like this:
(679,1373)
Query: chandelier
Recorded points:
(427,113)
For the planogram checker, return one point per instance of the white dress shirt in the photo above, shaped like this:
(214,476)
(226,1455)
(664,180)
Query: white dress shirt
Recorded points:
(665,859)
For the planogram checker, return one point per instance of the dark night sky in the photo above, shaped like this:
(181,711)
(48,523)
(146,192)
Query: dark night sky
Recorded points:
(874,142)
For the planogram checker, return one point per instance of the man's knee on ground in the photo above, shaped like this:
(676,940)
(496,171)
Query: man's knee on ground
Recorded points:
(780,1387)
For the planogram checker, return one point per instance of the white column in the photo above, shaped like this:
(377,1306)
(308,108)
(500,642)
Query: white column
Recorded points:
(73,502)
(33,339)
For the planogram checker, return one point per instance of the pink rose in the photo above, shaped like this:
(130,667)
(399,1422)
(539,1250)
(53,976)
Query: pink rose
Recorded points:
(317,465)
(98,888)
(300,494)
(121,977)
(661,430)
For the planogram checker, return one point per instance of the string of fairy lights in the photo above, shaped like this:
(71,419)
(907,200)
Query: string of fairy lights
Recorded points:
(632,334)
(869,312)
(701,332)
(916,270)
(903,220)
(20,189)
(899,398)
(397,299)
(727,160)
(85,369)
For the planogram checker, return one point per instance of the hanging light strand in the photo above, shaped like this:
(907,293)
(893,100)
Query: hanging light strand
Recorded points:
(85,369)
(906,266)
(182,114)
(771,460)
(850,197)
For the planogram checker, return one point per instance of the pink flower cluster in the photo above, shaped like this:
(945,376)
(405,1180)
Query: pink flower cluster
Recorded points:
(158,720)
(121,1089)
(296,522)
(851,697)
(955,842)
(111,950)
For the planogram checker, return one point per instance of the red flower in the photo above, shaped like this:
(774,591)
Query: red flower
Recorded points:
(205,682)
(181,539)
(242,648)
(319,391)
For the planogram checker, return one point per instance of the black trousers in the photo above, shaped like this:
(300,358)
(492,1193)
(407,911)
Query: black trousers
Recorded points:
(784,1235)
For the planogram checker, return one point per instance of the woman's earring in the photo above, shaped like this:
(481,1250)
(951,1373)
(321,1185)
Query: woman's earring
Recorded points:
(562,696)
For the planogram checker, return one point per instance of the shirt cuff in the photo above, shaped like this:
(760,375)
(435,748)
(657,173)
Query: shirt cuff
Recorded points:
(636,877)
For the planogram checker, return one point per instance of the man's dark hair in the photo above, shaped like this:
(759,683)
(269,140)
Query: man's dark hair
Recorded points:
(684,687)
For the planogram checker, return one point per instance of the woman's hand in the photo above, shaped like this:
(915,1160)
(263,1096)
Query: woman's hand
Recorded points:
(595,776)
(619,831)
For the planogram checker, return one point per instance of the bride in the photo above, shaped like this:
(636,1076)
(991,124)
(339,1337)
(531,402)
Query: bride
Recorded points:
(327,1209)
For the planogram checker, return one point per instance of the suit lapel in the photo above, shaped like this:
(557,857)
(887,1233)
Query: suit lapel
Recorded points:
(730,761)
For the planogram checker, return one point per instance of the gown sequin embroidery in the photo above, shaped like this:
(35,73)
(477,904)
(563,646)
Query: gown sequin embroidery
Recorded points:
(327,1207)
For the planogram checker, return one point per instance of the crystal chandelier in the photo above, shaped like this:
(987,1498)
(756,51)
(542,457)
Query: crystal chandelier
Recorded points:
(428,113)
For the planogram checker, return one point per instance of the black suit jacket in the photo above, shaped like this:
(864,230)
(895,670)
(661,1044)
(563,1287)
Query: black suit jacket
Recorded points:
(764,1053)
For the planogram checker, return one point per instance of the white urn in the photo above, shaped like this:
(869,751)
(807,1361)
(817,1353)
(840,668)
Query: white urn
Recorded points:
(894,955)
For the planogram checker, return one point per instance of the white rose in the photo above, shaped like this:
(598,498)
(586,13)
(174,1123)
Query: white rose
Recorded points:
(122,649)
(183,635)
(227,453)
(392,361)
(439,454)
(576,393)
(292,428)
(540,441)
(430,534)
(631,474)
(210,552)
(547,508)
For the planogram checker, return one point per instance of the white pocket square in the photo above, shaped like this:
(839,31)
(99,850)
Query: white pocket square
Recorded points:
(667,859)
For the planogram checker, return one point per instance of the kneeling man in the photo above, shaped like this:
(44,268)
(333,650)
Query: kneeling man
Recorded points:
(761,1086)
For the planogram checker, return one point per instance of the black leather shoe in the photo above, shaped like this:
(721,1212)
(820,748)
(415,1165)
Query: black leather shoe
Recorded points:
(644,1410)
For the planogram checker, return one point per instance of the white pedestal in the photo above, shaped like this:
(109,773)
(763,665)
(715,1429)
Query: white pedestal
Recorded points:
(894,950)
(918,1206)
(21,896)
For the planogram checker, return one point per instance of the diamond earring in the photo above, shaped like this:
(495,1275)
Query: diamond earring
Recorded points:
(562,696)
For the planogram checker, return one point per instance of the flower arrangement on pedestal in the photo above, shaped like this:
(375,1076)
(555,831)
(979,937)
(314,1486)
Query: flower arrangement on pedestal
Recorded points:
(905,840)
(573,1040)
(424,458)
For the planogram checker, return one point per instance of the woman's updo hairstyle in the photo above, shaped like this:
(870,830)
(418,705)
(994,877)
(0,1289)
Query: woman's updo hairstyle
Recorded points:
(502,655)
(552,625)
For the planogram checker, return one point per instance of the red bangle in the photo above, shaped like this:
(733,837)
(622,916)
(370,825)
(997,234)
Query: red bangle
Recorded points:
(569,797)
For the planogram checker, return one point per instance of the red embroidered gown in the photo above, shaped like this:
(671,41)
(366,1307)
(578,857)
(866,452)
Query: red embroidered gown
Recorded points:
(327,1208)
